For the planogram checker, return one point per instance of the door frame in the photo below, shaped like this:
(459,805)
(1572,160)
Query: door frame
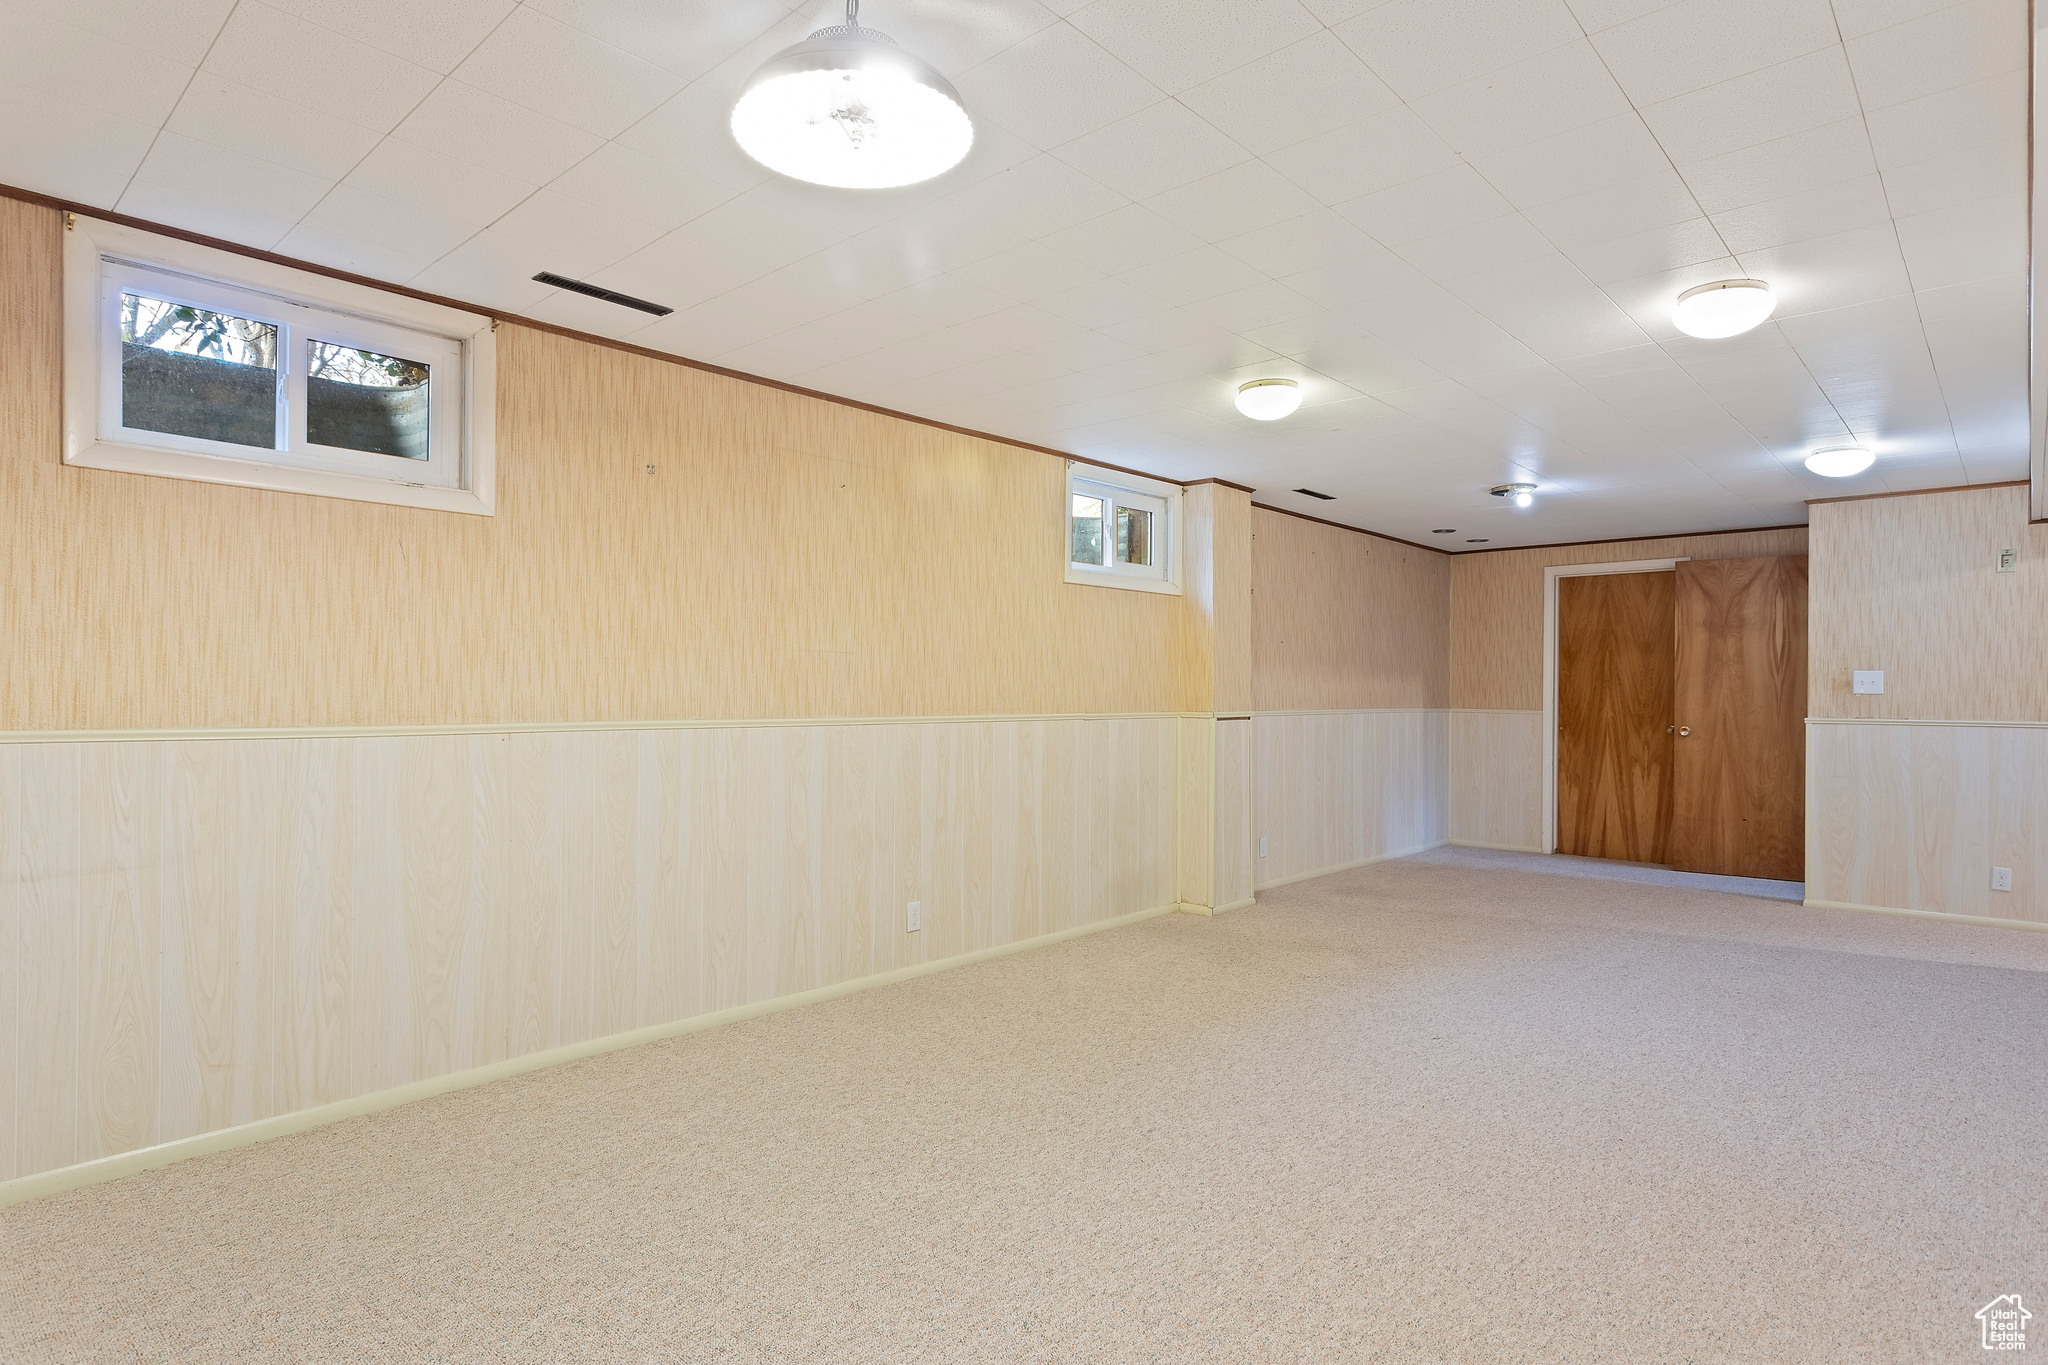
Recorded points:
(1551,573)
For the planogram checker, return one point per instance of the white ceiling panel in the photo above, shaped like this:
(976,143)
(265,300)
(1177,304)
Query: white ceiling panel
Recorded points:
(1460,224)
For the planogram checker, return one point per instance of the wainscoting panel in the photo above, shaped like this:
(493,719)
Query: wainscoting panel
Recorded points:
(1913,816)
(1337,788)
(198,933)
(1497,779)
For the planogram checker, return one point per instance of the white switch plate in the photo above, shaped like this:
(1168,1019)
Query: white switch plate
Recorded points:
(914,916)
(1868,680)
(2008,560)
(2001,879)
(1262,847)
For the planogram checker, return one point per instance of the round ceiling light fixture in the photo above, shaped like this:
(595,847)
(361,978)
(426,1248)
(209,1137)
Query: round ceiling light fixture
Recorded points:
(849,109)
(1524,494)
(1724,308)
(1268,400)
(1839,462)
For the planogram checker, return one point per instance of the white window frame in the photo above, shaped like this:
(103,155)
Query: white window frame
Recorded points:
(1162,499)
(103,259)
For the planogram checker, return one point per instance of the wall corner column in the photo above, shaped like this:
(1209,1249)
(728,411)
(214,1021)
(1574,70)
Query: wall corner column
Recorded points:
(1214,854)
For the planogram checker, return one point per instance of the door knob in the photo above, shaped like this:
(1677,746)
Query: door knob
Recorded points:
(1684,729)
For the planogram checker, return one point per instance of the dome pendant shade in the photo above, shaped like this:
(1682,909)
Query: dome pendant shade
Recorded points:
(1840,462)
(1724,308)
(1268,400)
(849,109)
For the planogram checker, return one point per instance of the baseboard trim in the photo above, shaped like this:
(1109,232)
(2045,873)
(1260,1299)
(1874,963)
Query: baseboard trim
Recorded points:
(1500,848)
(1212,910)
(1986,921)
(1346,867)
(281,1125)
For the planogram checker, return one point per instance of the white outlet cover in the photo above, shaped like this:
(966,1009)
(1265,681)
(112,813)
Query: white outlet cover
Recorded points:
(1867,681)
(2001,879)
(914,915)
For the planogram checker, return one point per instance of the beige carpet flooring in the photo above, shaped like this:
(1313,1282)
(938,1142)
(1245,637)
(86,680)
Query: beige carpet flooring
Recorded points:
(1452,1108)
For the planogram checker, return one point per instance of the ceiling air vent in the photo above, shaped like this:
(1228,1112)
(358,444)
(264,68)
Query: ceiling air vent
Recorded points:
(608,295)
(1311,493)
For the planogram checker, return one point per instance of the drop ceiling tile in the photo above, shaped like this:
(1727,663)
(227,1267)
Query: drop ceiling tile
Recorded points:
(1038,196)
(675,271)
(1233,202)
(1154,150)
(553,227)
(1490,245)
(1200,40)
(392,259)
(1103,303)
(285,56)
(175,206)
(217,111)
(173,31)
(1509,287)
(1261,305)
(1574,163)
(1372,366)
(202,169)
(1375,153)
(1831,272)
(1419,47)
(438,37)
(842,336)
(1125,239)
(1991,301)
(1535,393)
(1437,203)
(1695,44)
(1297,336)
(686,37)
(425,179)
(693,131)
(855,269)
(595,316)
(1647,253)
(546,66)
(1810,213)
(468,125)
(74,152)
(1981,172)
(408,233)
(1084,350)
(750,229)
(620,180)
(1585,323)
(1029,272)
(944,300)
(78,66)
(1314,240)
(1595,15)
(1308,88)
(1198,274)
(1950,47)
(1054,86)
(478,272)
(1806,92)
(1358,281)
(940,237)
(1974,241)
(1806,160)
(1654,201)
(1536,98)
(756,310)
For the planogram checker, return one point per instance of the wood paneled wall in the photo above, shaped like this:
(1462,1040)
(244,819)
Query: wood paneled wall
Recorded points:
(1343,621)
(1496,779)
(1497,607)
(1911,585)
(202,933)
(1914,817)
(785,557)
(1335,789)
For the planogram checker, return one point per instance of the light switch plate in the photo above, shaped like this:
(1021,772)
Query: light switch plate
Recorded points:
(2008,561)
(1868,681)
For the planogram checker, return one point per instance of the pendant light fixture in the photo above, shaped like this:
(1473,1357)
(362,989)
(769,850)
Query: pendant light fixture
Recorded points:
(1521,494)
(1268,400)
(1724,308)
(848,108)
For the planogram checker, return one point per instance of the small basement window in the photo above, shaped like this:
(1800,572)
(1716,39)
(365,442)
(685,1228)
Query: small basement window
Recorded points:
(189,362)
(1122,531)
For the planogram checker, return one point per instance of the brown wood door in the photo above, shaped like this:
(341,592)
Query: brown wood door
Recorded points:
(1614,715)
(1739,763)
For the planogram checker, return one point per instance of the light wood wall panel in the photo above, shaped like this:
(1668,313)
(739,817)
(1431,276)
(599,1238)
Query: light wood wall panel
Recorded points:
(1232,877)
(1344,621)
(202,933)
(1334,789)
(785,557)
(1910,585)
(1914,817)
(1496,778)
(1496,607)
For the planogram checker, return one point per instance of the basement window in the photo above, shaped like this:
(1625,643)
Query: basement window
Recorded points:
(1122,531)
(188,362)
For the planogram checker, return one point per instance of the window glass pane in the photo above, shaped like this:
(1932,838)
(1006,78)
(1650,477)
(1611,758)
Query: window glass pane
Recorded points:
(1087,538)
(360,400)
(189,372)
(1133,536)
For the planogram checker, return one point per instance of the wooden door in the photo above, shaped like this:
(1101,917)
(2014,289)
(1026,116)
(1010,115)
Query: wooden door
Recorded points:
(1614,715)
(1739,762)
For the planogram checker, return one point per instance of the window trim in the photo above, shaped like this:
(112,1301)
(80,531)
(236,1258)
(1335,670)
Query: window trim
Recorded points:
(471,489)
(1168,580)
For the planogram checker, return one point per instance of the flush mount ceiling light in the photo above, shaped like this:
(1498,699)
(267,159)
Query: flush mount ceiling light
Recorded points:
(848,108)
(1268,400)
(1724,308)
(1839,462)
(1524,494)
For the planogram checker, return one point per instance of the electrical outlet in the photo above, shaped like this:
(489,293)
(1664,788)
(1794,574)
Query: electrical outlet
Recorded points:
(914,916)
(1262,847)
(1867,681)
(2008,561)
(2001,879)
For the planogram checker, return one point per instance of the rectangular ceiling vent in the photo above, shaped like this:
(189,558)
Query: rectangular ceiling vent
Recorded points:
(608,295)
(1311,493)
